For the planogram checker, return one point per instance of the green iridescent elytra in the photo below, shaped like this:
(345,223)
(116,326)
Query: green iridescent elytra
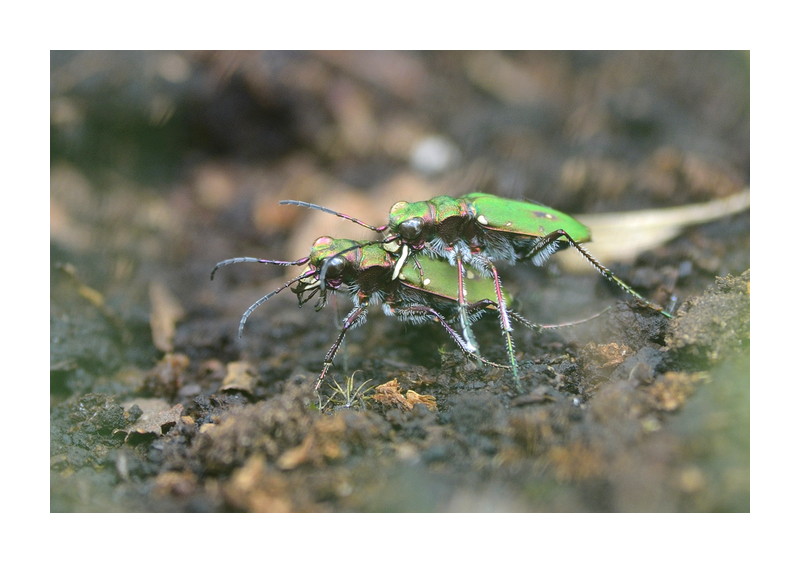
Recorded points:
(490,225)
(524,217)
(439,277)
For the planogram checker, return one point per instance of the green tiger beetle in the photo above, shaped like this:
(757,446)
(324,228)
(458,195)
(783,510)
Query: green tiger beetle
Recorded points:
(424,289)
(476,230)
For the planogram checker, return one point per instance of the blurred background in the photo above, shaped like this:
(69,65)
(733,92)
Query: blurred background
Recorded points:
(164,163)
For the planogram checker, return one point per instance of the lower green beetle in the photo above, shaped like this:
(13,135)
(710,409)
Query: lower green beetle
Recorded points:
(478,229)
(423,290)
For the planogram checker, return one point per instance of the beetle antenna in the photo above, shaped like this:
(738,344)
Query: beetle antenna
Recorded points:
(230,261)
(268,296)
(332,212)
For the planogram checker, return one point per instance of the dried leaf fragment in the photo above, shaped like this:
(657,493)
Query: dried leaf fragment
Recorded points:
(415,398)
(389,394)
(607,355)
(156,417)
(623,236)
(239,376)
(166,311)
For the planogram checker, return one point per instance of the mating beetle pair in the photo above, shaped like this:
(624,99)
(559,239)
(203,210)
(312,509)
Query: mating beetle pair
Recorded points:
(436,263)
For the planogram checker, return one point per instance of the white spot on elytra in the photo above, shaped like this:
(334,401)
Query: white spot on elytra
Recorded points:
(482,220)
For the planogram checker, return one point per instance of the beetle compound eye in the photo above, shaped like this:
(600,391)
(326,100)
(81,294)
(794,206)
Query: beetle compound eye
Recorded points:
(410,229)
(335,268)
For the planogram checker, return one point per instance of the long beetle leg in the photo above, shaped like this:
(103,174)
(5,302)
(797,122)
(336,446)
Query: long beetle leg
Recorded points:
(424,312)
(469,336)
(478,307)
(358,315)
(353,319)
(544,245)
(505,327)
(503,313)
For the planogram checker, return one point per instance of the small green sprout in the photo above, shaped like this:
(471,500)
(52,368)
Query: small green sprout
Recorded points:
(346,397)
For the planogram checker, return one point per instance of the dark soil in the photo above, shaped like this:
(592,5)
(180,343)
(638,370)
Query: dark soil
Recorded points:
(164,164)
